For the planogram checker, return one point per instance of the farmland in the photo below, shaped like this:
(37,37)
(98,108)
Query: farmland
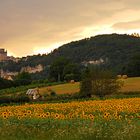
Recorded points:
(109,119)
(130,84)
(76,120)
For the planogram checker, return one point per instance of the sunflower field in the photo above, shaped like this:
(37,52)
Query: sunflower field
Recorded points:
(100,119)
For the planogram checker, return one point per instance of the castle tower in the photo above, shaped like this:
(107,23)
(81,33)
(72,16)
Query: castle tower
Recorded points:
(3,55)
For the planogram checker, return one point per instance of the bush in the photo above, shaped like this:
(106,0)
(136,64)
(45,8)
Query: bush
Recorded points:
(14,99)
(23,78)
(5,83)
(53,93)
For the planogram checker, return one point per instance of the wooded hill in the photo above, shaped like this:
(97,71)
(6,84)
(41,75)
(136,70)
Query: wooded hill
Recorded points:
(116,50)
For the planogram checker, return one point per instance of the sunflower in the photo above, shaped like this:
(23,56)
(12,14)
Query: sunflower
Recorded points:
(56,116)
(91,117)
(47,114)
(29,112)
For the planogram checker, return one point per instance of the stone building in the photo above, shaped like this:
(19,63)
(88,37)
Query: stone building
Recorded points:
(3,55)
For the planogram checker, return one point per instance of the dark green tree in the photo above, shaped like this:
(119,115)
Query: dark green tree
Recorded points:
(57,68)
(72,71)
(132,69)
(86,84)
(5,83)
(100,83)
(23,78)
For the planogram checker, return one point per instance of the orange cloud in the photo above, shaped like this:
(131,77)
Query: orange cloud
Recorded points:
(34,26)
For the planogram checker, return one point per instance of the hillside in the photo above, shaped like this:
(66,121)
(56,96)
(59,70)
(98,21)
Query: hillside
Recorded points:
(114,49)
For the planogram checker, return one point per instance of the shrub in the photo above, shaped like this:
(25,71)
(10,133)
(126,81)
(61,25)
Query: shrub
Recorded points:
(20,98)
(53,93)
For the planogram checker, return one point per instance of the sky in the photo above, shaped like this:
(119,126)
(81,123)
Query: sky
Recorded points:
(30,27)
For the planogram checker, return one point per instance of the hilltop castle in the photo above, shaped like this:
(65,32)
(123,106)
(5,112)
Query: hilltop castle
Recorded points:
(3,55)
(8,74)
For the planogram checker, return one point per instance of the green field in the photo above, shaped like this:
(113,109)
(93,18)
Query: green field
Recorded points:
(109,119)
(130,84)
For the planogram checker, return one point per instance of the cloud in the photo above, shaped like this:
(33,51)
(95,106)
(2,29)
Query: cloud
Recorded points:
(127,25)
(25,24)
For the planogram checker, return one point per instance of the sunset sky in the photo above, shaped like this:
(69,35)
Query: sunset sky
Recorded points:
(38,26)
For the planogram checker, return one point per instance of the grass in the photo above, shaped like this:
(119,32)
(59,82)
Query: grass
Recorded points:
(15,90)
(70,130)
(62,89)
(130,84)
(65,92)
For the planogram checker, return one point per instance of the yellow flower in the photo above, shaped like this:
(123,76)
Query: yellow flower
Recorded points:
(91,117)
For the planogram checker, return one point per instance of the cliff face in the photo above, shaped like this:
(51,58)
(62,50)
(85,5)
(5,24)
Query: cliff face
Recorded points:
(35,69)
(9,75)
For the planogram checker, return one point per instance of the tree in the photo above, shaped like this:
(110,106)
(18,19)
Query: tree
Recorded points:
(132,69)
(72,71)
(64,69)
(69,77)
(5,83)
(23,78)
(57,68)
(99,82)
(86,84)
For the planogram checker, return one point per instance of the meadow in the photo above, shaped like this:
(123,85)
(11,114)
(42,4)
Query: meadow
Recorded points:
(130,85)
